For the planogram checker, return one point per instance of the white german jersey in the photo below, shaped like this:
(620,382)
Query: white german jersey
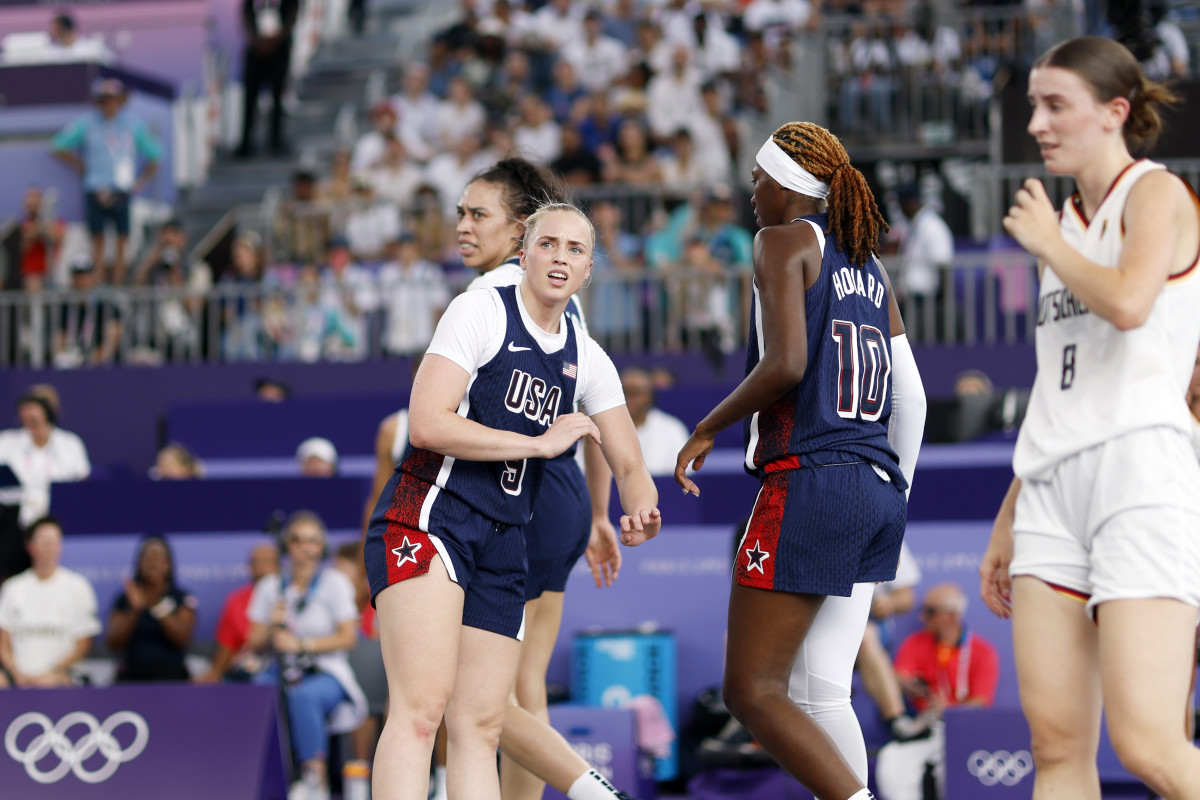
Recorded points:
(1095,382)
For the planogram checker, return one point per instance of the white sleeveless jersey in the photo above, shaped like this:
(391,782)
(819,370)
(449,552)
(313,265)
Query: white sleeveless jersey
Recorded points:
(1095,382)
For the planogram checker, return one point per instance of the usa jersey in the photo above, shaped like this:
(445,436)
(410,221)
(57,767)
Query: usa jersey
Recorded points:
(510,273)
(1095,382)
(841,407)
(521,389)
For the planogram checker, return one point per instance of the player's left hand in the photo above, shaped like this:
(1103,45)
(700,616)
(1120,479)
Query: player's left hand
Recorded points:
(640,526)
(694,451)
(603,554)
(1032,220)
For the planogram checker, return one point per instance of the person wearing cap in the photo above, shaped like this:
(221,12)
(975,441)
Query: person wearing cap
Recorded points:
(370,148)
(268,25)
(116,155)
(711,221)
(317,457)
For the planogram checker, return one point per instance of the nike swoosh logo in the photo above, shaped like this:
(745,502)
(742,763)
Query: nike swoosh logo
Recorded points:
(512,348)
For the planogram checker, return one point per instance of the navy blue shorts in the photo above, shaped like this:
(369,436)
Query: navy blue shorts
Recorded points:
(486,558)
(822,529)
(558,533)
(97,213)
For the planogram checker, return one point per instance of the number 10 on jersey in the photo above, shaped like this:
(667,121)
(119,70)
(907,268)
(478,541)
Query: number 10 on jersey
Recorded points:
(864,367)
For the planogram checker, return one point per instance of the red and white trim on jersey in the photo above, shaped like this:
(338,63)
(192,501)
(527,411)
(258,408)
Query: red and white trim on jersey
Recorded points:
(755,564)
(1189,271)
(752,445)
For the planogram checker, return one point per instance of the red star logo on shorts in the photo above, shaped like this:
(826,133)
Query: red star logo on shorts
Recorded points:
(757,556)
(408,552)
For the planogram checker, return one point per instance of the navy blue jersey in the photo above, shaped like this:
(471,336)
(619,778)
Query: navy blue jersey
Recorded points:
(522,389)
(510,273)
(839,410)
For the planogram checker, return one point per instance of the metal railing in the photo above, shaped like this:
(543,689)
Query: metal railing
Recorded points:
(305,316)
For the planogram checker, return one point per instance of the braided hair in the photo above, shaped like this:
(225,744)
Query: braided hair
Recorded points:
(854,218)
(526,185)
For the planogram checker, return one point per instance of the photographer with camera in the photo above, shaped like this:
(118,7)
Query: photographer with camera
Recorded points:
(306,617)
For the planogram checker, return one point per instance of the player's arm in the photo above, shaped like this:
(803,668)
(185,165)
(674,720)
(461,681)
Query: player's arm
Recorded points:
(779,256)
(434,423)
(635,487)
(602,553)
(1155,220)
(383,465)
(995,585)
(906,428)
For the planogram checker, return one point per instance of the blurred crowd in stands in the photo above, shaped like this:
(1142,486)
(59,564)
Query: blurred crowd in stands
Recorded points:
(650,111)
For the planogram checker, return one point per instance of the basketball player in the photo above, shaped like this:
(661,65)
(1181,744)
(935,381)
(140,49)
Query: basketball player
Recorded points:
(574,512)
(1099,529)
(830,517)
(445,553)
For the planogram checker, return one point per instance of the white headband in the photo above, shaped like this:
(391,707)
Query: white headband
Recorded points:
(783,168)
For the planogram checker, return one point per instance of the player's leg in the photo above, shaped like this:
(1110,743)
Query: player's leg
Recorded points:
(823,670)
(487,667)
(533,753)
(1055,646)
(419,620)
(1146,658)
(766,630)
(878,676)
(542,618)
(439,764)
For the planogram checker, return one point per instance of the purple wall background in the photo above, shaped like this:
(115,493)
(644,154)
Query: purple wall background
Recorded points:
(116,410)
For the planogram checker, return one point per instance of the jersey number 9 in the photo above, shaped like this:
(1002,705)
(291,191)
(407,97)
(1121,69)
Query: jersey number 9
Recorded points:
(513,475)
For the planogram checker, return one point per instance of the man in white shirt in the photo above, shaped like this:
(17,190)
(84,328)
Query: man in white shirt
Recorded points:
(673,97)
(925,257)
(417,109)
(415,293)
(599,60)
(39,452)
(48,614)
(661,435)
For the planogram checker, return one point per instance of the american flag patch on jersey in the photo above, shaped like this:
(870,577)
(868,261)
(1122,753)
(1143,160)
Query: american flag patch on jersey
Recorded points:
(570,370)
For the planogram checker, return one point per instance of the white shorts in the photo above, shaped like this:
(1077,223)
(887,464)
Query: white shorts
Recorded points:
(1117,521)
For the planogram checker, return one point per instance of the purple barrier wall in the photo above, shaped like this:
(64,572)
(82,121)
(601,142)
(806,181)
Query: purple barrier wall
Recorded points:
(116,410)
(130,741)
(987,755)
(166,39)
(677,582)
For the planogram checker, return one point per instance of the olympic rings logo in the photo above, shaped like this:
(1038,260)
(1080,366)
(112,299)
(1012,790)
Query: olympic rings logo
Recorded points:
(1000,767)
(72,755)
